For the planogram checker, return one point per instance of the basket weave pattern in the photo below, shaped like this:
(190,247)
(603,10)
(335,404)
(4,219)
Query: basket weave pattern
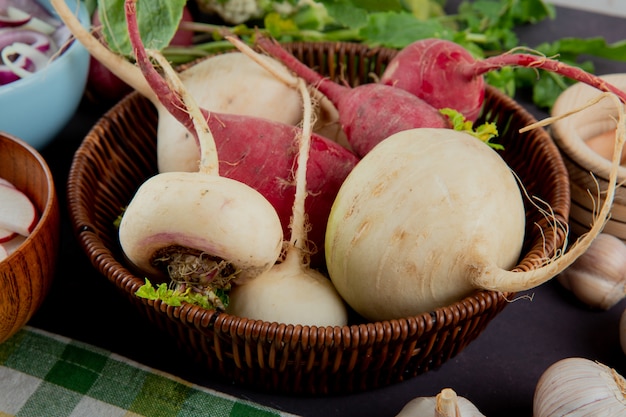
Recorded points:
(119,153)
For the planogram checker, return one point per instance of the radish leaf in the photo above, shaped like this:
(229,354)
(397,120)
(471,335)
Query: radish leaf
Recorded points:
(158,22)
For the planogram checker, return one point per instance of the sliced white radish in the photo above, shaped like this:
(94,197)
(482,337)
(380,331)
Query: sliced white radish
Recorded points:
(11,246)
(17,212)
(4,181)
(6,235)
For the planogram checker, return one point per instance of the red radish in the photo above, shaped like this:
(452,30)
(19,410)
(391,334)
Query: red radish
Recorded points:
(368,113)
(253,150)
(17,212)
(290,292)
(204,230)
(232,83)
(4,253)
(446,75)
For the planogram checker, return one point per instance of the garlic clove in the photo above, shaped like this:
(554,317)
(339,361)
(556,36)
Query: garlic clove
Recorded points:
(445,404)
(579,387)
(598,277)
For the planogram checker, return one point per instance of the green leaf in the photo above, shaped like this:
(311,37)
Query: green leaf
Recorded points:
(176,298)
(398,29)
(347,15)
(158,21)
(485,132)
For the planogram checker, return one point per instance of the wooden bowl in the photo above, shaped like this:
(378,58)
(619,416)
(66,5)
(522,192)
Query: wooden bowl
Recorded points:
(26,275)
(119,153)
(587,152)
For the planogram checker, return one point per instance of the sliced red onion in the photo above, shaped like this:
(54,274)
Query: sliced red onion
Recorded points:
(29,36)
(38,40)
(8,21)
(7,76)
(32,8)
(29,22)
(27,56)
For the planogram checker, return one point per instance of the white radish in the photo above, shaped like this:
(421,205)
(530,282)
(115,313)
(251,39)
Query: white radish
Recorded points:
(202,229)
(428,217)
(291,292)
(17,213)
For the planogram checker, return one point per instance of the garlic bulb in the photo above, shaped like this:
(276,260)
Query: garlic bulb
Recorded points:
(445,404)
(579,387)
(598,277)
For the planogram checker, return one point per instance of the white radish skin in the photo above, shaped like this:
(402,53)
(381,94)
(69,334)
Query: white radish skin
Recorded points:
(289,293)
(422,210)
(420,224)
(205,212)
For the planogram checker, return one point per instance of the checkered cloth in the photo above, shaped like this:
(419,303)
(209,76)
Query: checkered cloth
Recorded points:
(43,374)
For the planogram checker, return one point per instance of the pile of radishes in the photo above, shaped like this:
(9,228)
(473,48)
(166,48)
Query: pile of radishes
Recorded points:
(410,216)
(18,218)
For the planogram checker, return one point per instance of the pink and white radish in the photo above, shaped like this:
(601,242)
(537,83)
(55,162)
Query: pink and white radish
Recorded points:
(253,150)
(369,112)
(18,217)
(429,216)
(291,292)
(446,75)
(17,213)
(204,230)
(231,83)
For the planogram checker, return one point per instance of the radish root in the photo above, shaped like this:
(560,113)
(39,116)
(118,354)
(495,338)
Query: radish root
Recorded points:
(494,278)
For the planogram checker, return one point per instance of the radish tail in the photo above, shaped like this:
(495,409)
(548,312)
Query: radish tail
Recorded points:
(493,278)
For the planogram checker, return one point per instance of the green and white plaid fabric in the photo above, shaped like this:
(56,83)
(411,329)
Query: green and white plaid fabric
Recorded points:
(43,374)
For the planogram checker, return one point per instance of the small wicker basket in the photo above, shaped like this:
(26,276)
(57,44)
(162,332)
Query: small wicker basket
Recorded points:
(119,153)
(587,169)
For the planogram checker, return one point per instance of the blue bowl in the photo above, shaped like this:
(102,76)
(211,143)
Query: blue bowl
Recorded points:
(37,107)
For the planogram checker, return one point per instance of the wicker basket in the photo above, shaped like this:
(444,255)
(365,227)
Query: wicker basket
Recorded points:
(119,153)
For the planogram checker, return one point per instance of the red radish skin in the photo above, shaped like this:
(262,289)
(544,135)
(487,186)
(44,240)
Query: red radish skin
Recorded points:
(446,75)
(368,113)
(252,150)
